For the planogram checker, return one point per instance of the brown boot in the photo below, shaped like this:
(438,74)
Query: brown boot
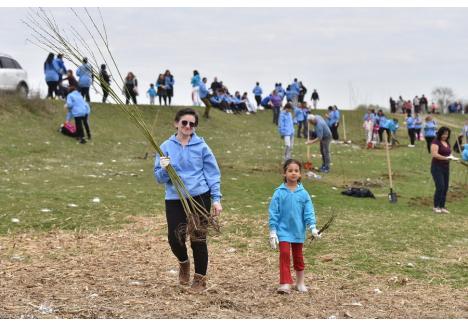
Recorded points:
(184,272)
(199,283)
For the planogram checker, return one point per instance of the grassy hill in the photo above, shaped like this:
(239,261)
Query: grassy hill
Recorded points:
(49,182)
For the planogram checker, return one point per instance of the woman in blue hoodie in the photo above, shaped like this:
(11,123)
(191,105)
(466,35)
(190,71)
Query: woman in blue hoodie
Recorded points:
(196,165)
(52,75)
(291,211)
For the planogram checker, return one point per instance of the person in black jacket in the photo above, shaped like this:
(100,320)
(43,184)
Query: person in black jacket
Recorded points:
(315,98)
(302,92)
(104,79)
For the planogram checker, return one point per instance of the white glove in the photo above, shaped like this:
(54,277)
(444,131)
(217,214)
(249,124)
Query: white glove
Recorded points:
(273,239)
(164,161)
(315,232)
(453,158)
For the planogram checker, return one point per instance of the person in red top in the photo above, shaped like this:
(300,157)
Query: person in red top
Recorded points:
(440,168)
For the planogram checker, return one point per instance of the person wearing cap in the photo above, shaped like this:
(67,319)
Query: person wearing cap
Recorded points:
(324,135)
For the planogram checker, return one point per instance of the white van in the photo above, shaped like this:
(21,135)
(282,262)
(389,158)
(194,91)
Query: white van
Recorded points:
(13,78)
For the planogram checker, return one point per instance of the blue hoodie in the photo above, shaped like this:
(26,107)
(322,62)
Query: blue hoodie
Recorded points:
(295,88)
(196,166)
(77,106)
(169,82)
(265,101)
(465,153)
(51,71)
(430,128)
(61,65)
(290,213)
(410,122)
(203,92)
(299,114)
(285,123)
(417,123)
(257,91)
(152,92)
(84,72)
(196,80)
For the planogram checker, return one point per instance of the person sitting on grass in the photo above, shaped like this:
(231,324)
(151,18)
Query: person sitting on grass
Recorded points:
(290,212)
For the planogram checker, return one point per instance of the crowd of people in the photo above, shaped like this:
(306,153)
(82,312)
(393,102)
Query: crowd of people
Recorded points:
(291,211)
(421,105)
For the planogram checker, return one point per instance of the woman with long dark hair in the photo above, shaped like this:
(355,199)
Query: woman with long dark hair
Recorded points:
(161,88)
(52,75)
(169,83)
(440,168)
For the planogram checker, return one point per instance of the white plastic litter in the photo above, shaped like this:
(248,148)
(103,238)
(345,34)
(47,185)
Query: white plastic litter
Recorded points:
(45,210)
(15,220)
(72,205)
(377,291)
(96,200)
(44,309)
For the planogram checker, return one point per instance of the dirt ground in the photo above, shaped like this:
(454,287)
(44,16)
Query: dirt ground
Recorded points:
(131,273)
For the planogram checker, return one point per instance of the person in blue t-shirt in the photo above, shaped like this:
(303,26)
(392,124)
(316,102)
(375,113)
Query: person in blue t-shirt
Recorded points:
(257,91)
(430,130)
(410,122)
(151,93)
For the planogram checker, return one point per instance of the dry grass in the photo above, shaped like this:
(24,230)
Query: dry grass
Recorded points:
(130,273)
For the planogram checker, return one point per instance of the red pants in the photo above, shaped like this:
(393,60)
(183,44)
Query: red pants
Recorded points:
(285,260)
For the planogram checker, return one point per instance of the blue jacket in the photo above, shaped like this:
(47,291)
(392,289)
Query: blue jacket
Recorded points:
(265,101)
(321,128)
(381,119)
(333,118)
(299,114)
(430,129)
(77,106)
(391,125)
(290,213)
(196,166)
(285,124)
(410,122)
(61,65)
(417,123)
(295,88)
(203,91)
(196,80)
(257,91)
(84,72)
(152,91)
(51,71)
(465,153)
(169,82)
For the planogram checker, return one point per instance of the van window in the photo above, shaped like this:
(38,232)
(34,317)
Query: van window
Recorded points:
(8,63)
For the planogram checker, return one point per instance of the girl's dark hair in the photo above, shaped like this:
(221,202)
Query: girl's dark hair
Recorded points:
(289,162)
(195,72)
(441,131)
(186,111)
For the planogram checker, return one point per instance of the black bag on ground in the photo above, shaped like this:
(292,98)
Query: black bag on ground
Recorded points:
(358,192)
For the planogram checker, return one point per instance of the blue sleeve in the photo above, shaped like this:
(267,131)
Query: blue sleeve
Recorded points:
(274,212)
(309,212)
(212,174)
(160,174)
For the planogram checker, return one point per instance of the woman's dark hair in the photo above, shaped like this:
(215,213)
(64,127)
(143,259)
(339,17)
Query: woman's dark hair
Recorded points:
(288,163)
(186,111)
(195,72)
(49,59)
(441,131)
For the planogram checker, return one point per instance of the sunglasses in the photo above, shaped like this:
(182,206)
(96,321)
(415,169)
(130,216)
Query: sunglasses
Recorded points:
(190,123)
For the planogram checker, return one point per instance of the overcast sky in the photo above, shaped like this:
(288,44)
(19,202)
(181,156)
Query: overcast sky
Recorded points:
(357,55)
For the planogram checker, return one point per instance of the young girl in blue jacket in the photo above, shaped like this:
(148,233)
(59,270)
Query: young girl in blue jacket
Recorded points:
(286,129)
(291,211)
